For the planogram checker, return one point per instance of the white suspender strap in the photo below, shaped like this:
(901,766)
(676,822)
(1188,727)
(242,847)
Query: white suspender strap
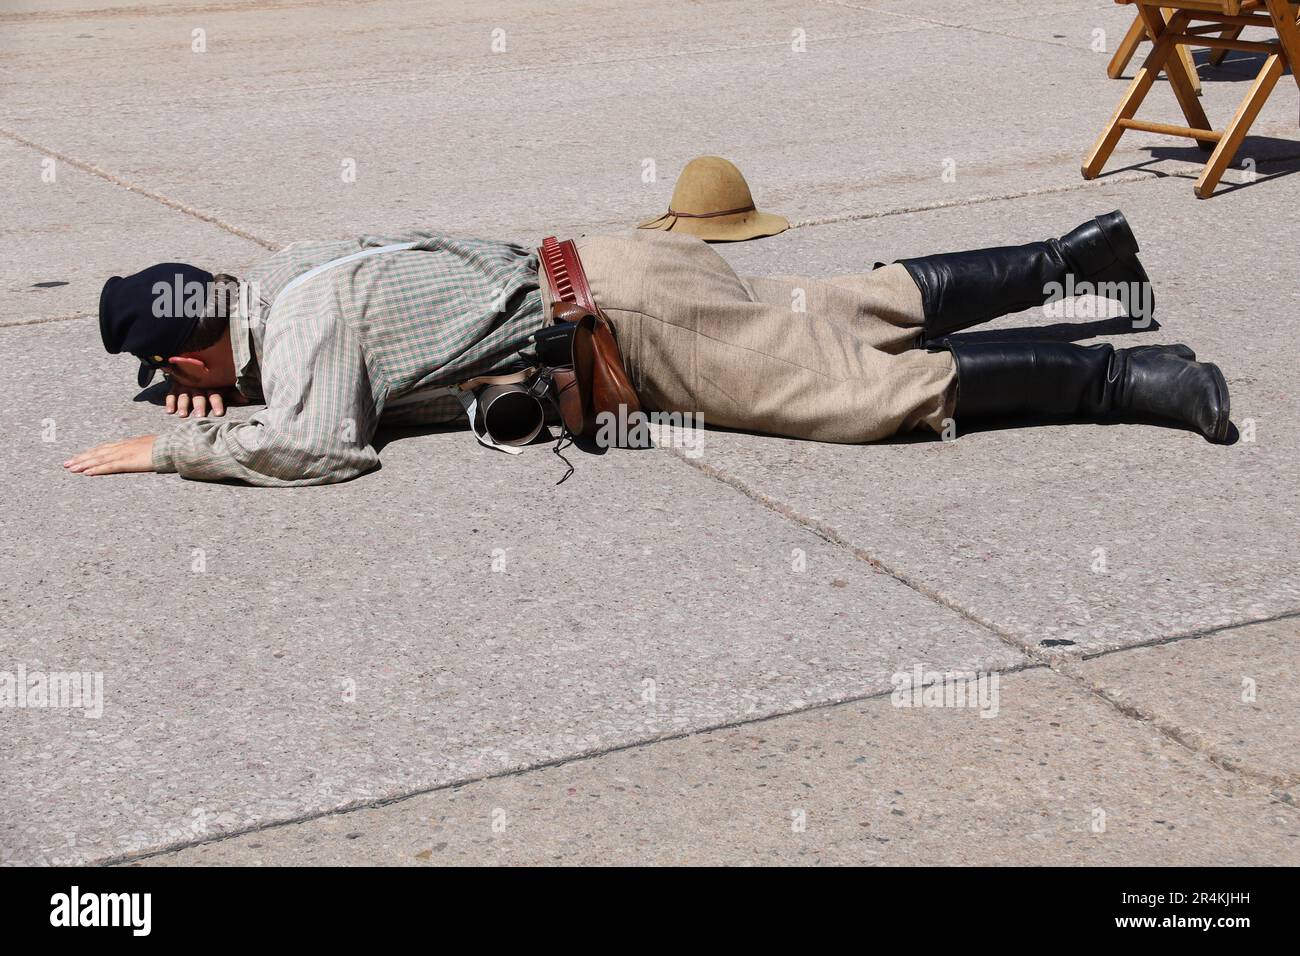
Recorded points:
(324,266)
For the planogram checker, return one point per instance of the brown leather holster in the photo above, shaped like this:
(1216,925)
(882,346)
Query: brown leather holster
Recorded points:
(597,381)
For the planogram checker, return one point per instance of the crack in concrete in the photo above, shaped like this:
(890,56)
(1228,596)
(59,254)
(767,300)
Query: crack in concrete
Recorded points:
(829,534)
(421,79)
(1067,668)
(1191,635)
(44,319)
(1191,740)
(177,205)
(1109,180)
(1278,786)
(970,25)
(506,774)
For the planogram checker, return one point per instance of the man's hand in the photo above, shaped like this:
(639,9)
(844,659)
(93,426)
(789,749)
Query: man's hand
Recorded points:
(115,457)
(181,399)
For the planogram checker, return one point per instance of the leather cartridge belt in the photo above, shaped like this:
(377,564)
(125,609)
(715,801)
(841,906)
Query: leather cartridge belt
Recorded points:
(564,274)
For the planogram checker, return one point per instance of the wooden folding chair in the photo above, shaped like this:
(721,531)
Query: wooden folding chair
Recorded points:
(1137,32)
(1215,17)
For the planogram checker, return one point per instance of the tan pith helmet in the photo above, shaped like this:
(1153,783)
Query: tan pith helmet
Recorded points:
(712,200)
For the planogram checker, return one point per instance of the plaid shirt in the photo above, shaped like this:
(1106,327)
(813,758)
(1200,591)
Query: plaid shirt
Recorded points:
(365,342)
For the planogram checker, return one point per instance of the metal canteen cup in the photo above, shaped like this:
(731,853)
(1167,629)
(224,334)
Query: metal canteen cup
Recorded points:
(509,414)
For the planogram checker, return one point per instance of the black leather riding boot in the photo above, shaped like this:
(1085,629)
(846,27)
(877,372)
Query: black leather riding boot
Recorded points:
(1098,382)
(961,289)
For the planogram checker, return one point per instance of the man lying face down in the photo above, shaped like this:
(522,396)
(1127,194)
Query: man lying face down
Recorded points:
(335,338)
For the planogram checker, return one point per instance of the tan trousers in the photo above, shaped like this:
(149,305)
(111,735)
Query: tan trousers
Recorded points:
(824,359)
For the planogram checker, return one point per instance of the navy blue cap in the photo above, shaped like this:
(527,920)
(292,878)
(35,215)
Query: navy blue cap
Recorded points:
(152,314)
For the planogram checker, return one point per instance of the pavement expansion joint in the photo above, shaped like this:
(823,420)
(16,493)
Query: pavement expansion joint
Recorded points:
(370,804)
(1192,635)
(830,535)
(42,320)
(1069,669)
(92,169)
(1279,785)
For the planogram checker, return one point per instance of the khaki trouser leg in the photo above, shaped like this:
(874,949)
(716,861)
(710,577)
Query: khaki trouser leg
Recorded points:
(884,305)
(695,337)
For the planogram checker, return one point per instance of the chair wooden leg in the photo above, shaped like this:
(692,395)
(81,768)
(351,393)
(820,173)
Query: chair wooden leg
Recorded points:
(1143,80)
(1185,61)
(1182,87)
(1288,34)
(1231,33)
(1137,32)
(1187,64)
(1236,130)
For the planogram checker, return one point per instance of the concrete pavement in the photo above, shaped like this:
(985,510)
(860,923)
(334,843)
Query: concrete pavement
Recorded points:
(1058,776)
(452,630)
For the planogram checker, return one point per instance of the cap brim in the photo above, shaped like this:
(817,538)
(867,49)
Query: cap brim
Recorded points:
(751,225)
(658,222)
(145,375)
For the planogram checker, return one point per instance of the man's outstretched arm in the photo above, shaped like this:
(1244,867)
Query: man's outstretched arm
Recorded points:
(316,428)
